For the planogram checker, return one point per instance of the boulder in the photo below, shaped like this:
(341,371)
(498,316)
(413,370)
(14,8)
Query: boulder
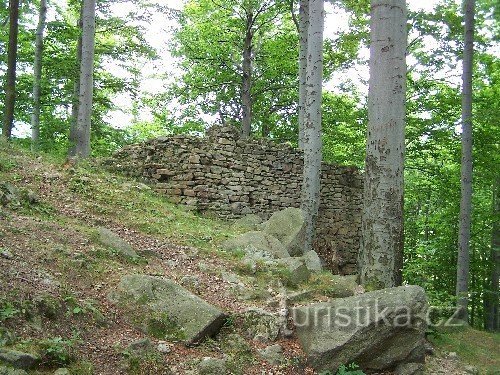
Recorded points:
(296,271)
(141,345)
(11,371)
(115,242)
(248,222)
(261,325)
(164,309)
(289,227)
(378,330)
(8,194)
(257,243)
(17,359)
(313,262)
(212,366)
(273,354)
(410,369)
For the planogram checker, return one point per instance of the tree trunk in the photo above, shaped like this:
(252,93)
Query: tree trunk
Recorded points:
(492,299)
(35,118)
(76,89)
(312,128)
(303,30)
(82,130)
(246,84)
(10,87)
(466,167)
(381,253)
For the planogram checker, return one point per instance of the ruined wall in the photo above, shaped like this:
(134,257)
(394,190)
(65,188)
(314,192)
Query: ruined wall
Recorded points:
(230,177)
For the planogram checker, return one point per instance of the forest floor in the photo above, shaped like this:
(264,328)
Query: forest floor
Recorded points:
(55,276)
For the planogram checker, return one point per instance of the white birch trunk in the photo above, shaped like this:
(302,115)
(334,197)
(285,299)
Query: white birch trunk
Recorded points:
(312,128)
(82,139)
(466,166)
(35,118)
(381,252)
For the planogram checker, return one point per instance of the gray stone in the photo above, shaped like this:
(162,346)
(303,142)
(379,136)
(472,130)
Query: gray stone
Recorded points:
(249,222)
(18,359)
(6,254)
(163,347)
(141,345)
(231,278)
(212,366)
(296,272)
(11,371)
(161,307)
(8,194)
(273,354)
(31,197)
(261,325)
(473,370)
(190,282)
(410,369)
(453,355)
(256,242)
(341,286)
(313,262)
(110,239)
(62,371)
(377,330)
(288,226)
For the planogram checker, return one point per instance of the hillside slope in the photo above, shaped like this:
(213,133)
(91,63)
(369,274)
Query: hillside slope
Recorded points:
(55,275)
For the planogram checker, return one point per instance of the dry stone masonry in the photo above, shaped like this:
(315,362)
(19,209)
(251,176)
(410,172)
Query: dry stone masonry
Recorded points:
(231,178)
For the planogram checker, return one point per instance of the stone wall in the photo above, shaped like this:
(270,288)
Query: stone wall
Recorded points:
(230,177)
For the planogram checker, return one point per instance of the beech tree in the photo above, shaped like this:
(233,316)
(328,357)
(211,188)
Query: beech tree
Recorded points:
(312,119)
(10,85)
(463,261)
(238,61)
(302,25)
(492,315)
(80,147)
(381,254)
(35,119)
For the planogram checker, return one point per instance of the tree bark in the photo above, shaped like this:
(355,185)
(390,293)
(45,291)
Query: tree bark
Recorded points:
(381,253)
(81,139)
(10,86)
(35,118)
(303,30)
(312,128)
(492,298)
(76,89)
(466,166)
(246,84)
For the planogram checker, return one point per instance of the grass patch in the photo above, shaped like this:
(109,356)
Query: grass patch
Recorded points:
(477,348)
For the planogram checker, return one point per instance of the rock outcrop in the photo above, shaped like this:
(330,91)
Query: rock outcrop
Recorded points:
(164,309)
(378,330)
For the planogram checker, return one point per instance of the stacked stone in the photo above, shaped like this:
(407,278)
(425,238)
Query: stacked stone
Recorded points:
(230,177)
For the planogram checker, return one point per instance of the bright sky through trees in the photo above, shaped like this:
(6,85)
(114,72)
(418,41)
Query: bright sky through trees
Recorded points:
(157,74)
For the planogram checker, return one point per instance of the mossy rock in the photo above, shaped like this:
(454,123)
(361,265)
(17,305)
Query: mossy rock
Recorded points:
(289,227)
(164,309)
